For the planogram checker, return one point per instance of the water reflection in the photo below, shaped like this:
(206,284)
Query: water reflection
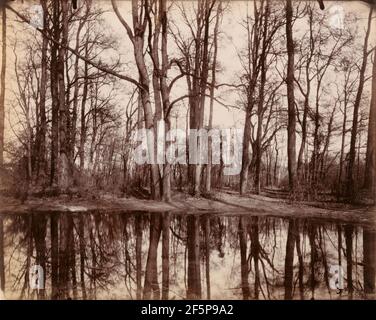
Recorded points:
(165,256)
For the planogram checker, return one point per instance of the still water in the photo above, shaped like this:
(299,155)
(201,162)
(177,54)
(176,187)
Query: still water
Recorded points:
(154,256)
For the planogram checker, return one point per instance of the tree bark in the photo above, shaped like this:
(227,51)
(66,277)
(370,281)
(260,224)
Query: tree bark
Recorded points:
(261,97)
(245,155)
(2,84)
(42,165)
(370,170)
(211,95)
(54,96)
(291,127)
(165,92)
(63,164)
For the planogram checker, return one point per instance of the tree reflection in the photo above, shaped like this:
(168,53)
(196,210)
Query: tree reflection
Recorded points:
(289,259)
(369,260)
(193,247)
(243,258)
(154,256)
(2,265)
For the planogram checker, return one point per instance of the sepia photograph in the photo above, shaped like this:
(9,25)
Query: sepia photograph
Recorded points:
(184,150)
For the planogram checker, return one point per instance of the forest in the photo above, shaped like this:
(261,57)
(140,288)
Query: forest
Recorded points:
(72,111)
(93,92)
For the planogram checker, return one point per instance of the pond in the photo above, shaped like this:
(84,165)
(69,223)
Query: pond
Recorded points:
(180,256)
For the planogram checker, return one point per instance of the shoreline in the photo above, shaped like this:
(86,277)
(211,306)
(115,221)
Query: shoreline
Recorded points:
(226,204)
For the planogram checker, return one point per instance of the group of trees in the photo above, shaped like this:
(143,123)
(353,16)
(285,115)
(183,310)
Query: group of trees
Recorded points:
(303,92)
(324,74)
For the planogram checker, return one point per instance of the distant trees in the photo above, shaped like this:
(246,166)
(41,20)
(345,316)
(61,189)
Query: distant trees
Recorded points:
(198,62)
(318,54)
(51,141)
(137,35)
(260,88)
(355,120)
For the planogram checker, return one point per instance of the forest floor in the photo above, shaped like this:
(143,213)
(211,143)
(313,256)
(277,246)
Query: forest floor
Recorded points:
(223,203)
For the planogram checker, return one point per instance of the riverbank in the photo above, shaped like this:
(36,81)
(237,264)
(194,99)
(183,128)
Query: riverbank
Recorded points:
(224,203)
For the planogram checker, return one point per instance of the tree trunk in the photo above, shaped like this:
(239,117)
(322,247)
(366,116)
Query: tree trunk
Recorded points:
(81,150)
(306,95)
(165,92)
(42,165)
(291,127)
(54,97)
(63,166)
(2,84)
(370,170)
(73,127)
(354,130)
(341,159)
(211,94)
(245,156)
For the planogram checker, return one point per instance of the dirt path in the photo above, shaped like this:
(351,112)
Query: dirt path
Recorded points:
(224,203)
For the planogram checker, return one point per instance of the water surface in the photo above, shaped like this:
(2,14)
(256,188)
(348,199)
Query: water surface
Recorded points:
(154,256)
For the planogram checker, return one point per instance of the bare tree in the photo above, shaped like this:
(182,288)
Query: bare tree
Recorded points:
(370,171)
(355,121)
